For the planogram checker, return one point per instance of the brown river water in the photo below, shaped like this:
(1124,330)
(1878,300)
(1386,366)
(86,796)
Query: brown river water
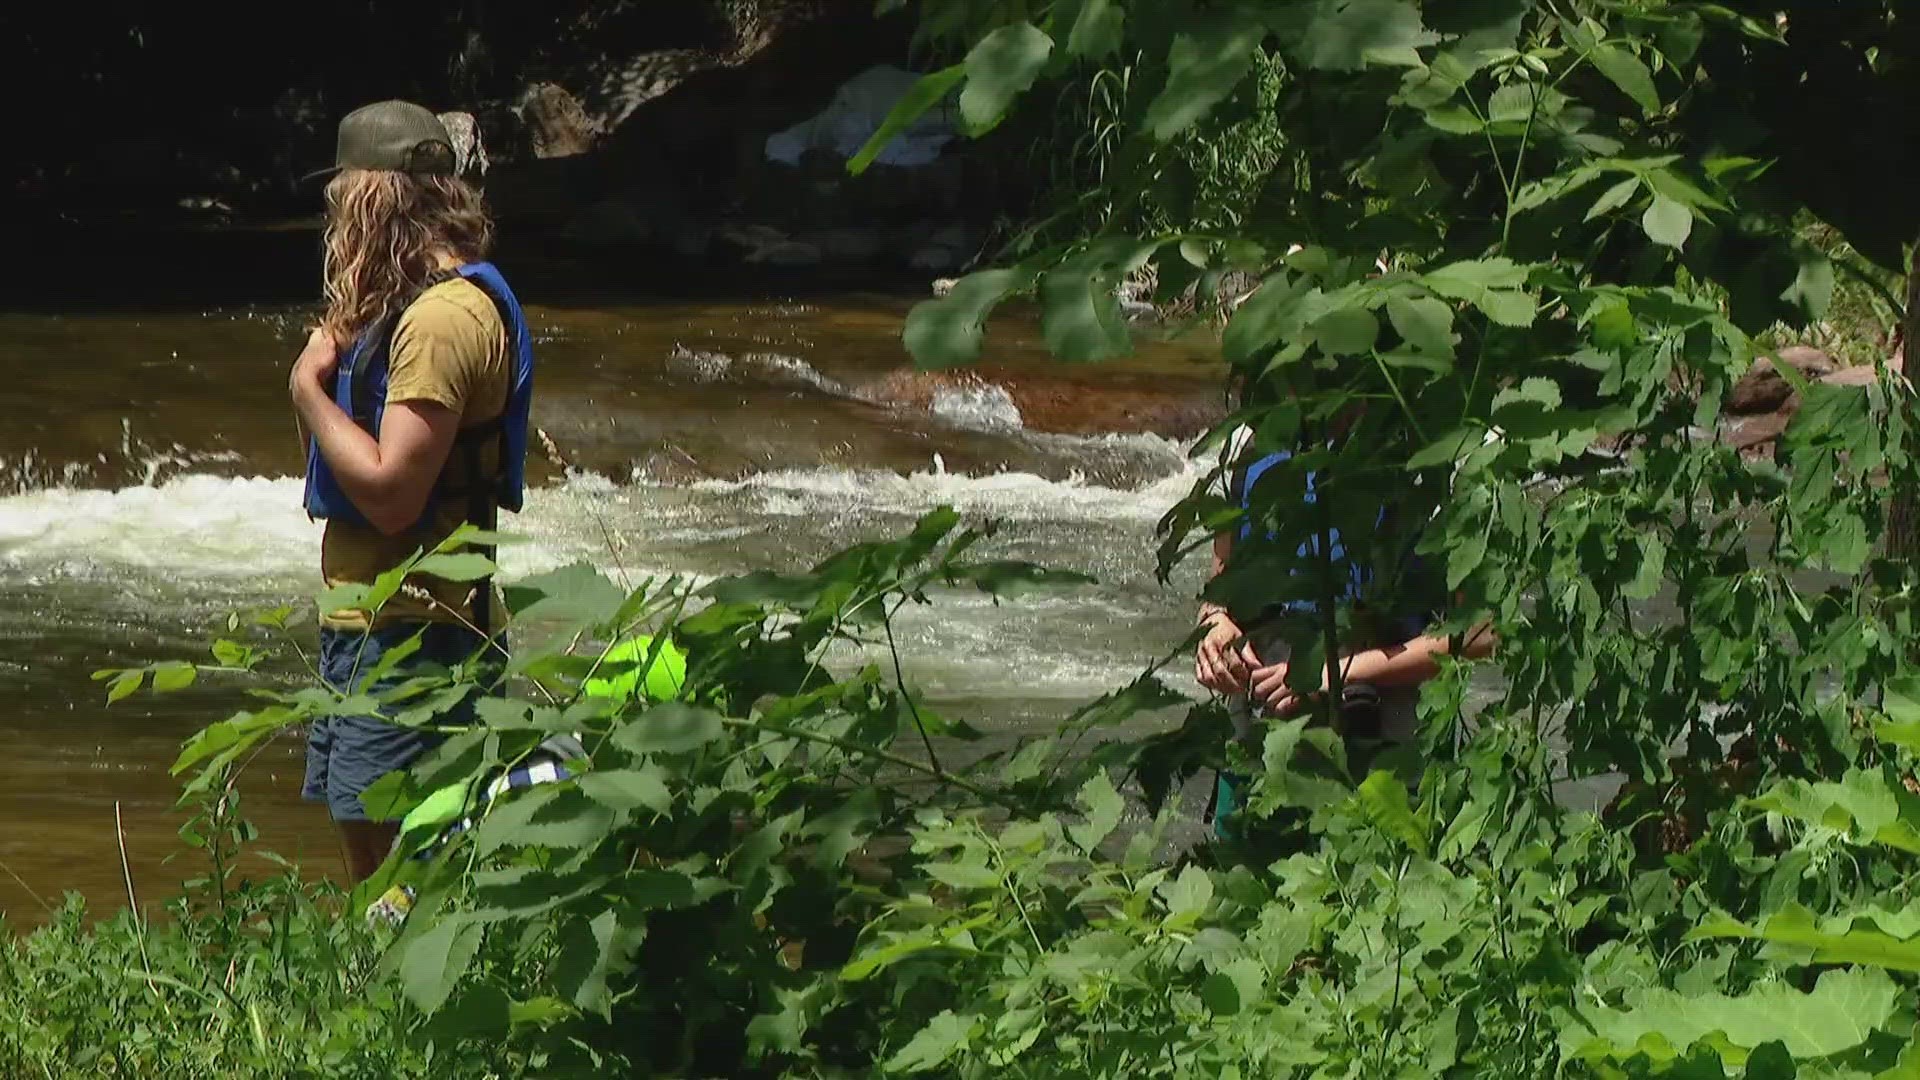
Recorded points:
(147,489)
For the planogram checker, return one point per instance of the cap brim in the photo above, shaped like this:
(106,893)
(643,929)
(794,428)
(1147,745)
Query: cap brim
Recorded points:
(327,173)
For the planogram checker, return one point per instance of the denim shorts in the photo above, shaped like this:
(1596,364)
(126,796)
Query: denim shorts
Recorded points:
(346,754)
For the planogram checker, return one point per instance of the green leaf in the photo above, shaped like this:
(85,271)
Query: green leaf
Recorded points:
(1812,288)
(1653,567)
(627,789)
(1098,29)
(948,332)
(1492,285)
(1081,317)
(124,684)
(1795,926)
(1188,896)
(1204,65)
(932,1046)
(1667,222)
(1345,35)
(1104,808)
(1384,800)
(550,816)
(1263,319)
(999,69)
(1844,1008)
(467,566)
(1422,322)
(1346,331)
(574,594)
(588,952)
(1220,995)
(1614,197)
(174,676)
(1628,73)
(673,727)
(932,89)
(434,962)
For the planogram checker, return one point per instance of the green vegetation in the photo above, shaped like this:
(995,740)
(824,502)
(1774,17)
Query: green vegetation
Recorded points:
(1523,251)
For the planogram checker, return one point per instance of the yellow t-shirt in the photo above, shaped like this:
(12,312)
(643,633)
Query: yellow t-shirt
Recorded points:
(449,348)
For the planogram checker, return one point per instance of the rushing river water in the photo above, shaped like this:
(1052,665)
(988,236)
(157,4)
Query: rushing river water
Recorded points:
(146,490)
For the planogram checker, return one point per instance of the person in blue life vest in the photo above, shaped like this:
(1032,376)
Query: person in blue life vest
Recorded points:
(1243,654)
(413,397)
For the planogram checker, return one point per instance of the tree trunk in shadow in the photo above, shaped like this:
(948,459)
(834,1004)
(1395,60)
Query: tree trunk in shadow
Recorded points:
(1903,520)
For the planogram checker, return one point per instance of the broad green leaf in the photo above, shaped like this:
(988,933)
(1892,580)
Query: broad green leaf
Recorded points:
(1628,73)
(124,684)
(1345,35)
(1667,222)
(574,594)
(1220,995)
(1204,65)
(673,727)
(588,952)
(1423,322)
(1347,331)
(1188,896)
(963,875)
(1263,319)
(1495,286)
(948,332)
(1614,197)
(433,962)
(1384,799)
(999,69)
(932,89)
(466,566)
(1653,567)
(627,789)
(1794,925)
(550,816)
(1080,315)
(932,1046)
(1812,288)
(1104,808)
(1098,29)
(480,1009)
(1863,805)
(1844,1008)
(174,676)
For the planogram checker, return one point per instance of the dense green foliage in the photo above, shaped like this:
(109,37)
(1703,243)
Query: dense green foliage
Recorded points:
(1508,244)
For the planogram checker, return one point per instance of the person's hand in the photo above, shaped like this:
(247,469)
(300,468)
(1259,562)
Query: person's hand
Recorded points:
(1223,661)
(316,363)
(1268,686)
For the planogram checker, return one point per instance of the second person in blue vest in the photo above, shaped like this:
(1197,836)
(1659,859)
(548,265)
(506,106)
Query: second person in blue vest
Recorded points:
(414,394)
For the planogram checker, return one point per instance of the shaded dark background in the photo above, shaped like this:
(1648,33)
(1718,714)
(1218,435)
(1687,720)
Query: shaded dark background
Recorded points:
(181,131)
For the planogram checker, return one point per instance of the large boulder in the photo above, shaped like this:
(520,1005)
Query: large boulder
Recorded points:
(557,124)
(1763,389)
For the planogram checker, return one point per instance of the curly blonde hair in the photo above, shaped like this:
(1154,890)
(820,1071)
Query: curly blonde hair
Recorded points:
(385,230)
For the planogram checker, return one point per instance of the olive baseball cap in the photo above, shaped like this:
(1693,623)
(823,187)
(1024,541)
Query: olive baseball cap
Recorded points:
(393,135)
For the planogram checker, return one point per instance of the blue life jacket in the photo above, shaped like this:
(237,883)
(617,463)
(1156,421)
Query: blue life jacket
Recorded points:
(360,389)
(1356,577)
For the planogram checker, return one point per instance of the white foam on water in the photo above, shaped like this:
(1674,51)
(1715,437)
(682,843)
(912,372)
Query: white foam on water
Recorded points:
(978,408)
(1016,496)
(198,527)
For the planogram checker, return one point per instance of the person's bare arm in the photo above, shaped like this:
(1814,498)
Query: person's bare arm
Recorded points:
(1410,663)
(390,479)
(1219,663)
